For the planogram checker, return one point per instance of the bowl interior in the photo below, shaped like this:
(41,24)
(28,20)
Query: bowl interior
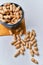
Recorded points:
(20,18)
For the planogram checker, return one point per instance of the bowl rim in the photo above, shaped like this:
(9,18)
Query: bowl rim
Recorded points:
(20,18)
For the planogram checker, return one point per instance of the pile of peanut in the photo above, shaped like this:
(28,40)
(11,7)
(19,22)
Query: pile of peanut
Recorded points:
(10,13)
(28,42)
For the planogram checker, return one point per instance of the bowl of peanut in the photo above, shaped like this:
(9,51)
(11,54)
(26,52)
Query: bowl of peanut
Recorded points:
(11,15)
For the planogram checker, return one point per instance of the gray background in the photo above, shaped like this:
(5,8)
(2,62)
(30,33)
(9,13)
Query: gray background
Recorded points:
(34,20)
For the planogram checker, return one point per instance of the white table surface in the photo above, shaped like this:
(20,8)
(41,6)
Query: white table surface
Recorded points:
(34,20)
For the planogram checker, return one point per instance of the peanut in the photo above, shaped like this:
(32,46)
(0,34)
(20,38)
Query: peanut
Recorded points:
(17,9)
(17,15)
(15,21)
(18,37)
(26,36)
(17,53)
(36,48)
(14,7)
(11,7)
(13,42)
(32,38)
(36,52)
(34,41)
(7,17)
(27,45)
(21,33)
(22,48)
(35,44)
(4,8)
(14,37)
(11,14)
(20,12)
(30,46)
(1,16)
(17,46)
(33,32)
(34,60)
(1,12)
(31,52)
(21,52)
(30,34)
(18,42)
(23,42)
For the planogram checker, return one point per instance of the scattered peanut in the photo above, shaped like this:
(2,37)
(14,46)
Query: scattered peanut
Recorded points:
(26,36)
(13,42)
(33,32)
(36,52)
(11,14)
(35,44)
(30,46)
(30,34)
(23,42)
(36,48)
(27,45)
(17,53)
(34,41)
(34,60)
(22,48)
(32,38)
(29,42)
(14,37)
(17,46)
(18,42)
(21,52)
(31,52)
